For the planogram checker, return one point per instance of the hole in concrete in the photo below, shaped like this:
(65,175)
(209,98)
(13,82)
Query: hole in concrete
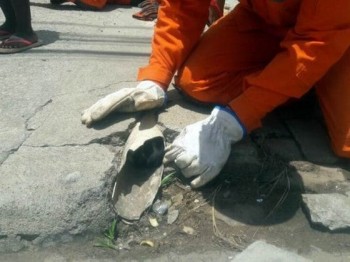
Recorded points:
(28,237)
(3,236)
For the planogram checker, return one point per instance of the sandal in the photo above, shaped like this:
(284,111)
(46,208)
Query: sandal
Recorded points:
(149,10)
(4,34)
(15,44)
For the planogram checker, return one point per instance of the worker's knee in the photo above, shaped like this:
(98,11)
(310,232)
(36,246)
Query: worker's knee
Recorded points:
(185,82)
(341,144)
(334,91)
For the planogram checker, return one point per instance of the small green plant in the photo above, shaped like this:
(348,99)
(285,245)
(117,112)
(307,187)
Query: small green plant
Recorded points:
(108,241)
(168,179)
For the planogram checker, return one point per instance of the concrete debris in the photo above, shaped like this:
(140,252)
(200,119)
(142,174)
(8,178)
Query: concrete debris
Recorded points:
(263,252)
(172,215)
(329,210)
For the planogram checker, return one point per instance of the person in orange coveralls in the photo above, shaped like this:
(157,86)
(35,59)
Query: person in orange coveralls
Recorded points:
(254,59)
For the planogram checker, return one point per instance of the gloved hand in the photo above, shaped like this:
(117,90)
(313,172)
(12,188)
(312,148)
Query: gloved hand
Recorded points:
(202,149)
(146,95)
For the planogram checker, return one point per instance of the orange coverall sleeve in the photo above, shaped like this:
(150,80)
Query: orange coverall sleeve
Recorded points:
(318,40)
(179,26)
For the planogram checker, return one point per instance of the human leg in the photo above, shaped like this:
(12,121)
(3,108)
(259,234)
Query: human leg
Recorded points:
(231,49)
(23,20)
(23,37)
(9,26)
(334,95)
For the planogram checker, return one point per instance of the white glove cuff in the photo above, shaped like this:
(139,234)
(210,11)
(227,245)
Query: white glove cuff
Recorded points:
(147,84)
(229,120)
(153,87)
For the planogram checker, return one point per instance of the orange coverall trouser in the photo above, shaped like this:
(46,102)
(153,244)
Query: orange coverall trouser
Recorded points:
(226,56)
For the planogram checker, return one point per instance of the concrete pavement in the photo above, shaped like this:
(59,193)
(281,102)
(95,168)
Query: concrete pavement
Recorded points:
(55,173)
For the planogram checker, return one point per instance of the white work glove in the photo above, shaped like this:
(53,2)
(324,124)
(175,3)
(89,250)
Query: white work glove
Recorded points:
(202,149)
(146,95)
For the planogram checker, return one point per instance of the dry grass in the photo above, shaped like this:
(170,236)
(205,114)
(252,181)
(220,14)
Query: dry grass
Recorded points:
(233,240)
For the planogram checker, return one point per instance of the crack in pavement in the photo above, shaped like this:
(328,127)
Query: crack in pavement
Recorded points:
(114,139)
(37,110)
(27,132)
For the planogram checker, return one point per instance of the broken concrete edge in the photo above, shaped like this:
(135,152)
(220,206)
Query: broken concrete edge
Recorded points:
(110,175)
(263,251)
(24,240)
(331,215)
(85,229)
(321,216)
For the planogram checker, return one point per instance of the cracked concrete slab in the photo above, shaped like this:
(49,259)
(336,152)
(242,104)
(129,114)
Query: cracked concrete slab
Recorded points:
(265,252)
(320,179)
(55,173)
(11,137)
(60,123)
(329,210)
(179,112)
(55,190)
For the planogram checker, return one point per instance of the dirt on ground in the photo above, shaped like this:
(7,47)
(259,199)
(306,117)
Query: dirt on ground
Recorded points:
(256,202)
(229,214)
(232,212)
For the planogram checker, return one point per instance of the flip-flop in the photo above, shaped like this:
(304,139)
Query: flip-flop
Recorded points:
(16,44)
(149,10)
(4,34)
(146,3)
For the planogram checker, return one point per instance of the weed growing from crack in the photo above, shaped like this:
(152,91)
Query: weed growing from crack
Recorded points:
(168,179)
(109,236)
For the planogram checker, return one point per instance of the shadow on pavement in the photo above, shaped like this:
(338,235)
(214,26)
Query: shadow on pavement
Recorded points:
(47,36)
